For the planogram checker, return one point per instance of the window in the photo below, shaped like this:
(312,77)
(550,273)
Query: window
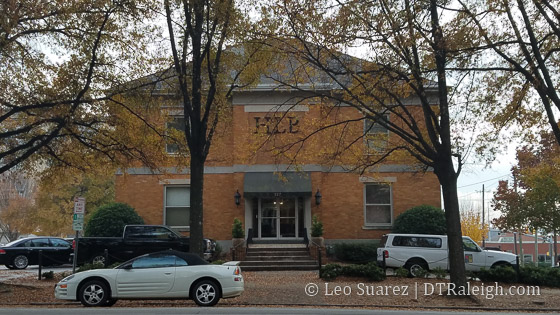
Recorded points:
(177,206)
(41,242)
(174,128)
(378,205)
(154,261)
(413,241)
(59,243)
(470,246)
(375,135)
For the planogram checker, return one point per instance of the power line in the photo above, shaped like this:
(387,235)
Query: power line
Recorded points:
(484,181)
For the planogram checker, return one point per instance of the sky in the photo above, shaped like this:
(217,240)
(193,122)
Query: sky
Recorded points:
(474,175)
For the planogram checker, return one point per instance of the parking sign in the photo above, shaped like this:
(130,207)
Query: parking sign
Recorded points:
(79,205)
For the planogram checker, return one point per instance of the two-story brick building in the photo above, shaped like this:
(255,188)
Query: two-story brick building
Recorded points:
(251,179)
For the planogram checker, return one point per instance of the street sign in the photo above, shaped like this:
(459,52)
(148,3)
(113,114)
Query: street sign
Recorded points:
(77,226)
(79,205)
(78,217)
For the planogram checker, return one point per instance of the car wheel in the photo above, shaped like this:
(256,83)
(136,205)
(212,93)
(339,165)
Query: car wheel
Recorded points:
(111,302)
(501,265)
(206,293)
(98,259)
(416,268)
(20,262)
(11,267)
(94,293)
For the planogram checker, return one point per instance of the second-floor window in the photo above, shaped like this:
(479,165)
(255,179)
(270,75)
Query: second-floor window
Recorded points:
(376,135)
(174,130)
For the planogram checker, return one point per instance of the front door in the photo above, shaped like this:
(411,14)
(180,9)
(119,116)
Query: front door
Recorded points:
(279,217)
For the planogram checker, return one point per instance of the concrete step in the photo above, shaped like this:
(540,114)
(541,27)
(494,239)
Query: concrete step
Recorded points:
(273,258)
(279,263)
(280,267)
(278,253)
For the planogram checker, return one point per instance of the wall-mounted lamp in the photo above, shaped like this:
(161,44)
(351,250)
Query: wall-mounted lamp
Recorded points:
(318,197)
(237,197)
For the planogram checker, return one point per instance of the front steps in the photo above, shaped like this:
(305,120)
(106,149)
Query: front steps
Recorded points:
(276,257)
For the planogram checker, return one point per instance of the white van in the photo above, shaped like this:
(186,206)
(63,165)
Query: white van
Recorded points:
(423,251)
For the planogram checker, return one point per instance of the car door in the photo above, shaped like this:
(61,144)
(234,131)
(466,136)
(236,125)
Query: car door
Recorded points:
(147,276)
(475,258)
(60,251)
(43,245)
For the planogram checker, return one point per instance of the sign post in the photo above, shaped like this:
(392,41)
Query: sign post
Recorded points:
(78,225)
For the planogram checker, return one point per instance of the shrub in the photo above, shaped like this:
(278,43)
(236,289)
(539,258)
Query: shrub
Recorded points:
(89,266)
(439,272)
(370,271)
(401,272)
(48,274)
(237,229)
(330,271)
(355,252)
(421,220)
(499,274)
(316,227)
(545,276)
(218,262)
(109,220)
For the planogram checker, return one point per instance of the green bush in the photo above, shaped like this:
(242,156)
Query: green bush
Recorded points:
(545,276)
(439,272)
(370,271)
(355,252)
(316,227)
(48,274)
(237,229)
(330,271)
(421,220)
(499,274)
(90,266)
(401,272)
(218,262)
(109,220)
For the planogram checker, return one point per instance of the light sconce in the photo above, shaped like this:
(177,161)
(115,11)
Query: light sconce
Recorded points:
(237,198)
(318,197)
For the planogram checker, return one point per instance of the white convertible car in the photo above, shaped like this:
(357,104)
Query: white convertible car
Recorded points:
(163,275)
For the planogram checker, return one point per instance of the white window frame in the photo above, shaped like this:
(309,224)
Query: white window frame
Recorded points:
(371,148)
(175,227)
(173,118)
(366,223)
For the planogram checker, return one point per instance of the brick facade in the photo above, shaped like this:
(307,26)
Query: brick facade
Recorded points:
(236,151)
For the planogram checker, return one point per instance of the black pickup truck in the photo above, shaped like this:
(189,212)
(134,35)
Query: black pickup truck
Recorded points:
(136,240)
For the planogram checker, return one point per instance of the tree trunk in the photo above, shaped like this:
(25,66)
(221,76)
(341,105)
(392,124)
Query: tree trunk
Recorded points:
(448,180)
(196,209)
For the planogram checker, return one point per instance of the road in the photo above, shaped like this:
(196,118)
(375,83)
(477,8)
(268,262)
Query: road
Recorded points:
(225,310)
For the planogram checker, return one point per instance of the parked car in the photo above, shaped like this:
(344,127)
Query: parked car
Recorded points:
(24,252)
(421,251)
(163,275)
(136,240)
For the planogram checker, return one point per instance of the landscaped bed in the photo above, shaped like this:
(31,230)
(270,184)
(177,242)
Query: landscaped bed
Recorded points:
(291,288)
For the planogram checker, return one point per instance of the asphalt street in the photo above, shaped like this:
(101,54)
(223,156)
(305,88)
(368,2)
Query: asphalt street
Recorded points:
(226,310)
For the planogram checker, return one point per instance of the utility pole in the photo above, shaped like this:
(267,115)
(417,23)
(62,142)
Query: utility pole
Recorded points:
(483,236)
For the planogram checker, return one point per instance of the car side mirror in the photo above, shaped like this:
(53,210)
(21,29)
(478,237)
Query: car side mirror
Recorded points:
(127,266)
(172,236)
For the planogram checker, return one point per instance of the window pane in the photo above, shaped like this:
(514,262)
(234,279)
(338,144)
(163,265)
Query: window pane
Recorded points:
(177,216)
(42,242)
(378,194)
(59,243)
(178,196)
(175,125)
(378,214)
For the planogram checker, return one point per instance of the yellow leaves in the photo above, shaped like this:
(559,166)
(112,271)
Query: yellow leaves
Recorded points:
(472,226)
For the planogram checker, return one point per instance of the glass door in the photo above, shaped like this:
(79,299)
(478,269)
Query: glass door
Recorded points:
(269,218)
(279,217)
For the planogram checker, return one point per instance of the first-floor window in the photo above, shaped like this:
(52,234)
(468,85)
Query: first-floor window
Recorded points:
(177,206)
(378,204)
